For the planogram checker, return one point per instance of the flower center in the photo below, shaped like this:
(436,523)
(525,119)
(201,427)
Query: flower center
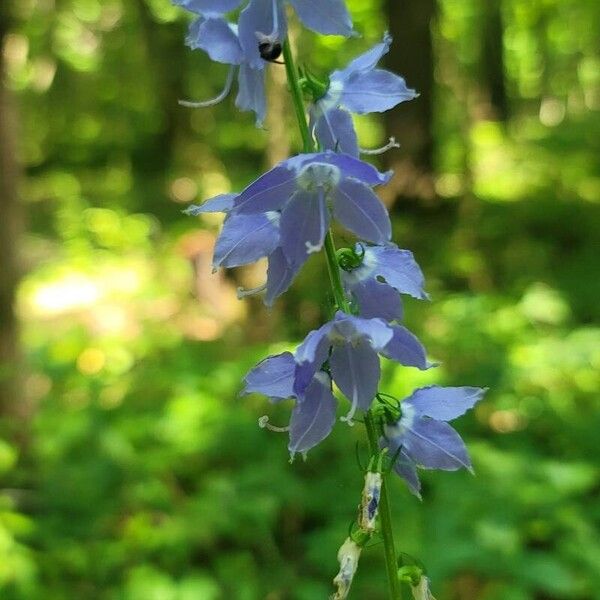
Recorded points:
(315,176)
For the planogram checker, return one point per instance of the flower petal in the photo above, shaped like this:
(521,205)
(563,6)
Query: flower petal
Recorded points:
(349,327)
(366,61)
(313,417)
(374,91)
(269,192)
(403,464)
(251,92)
(355,370)
(434,444)
(444,403)
(357,208)
(376,299)
(398,267)
(260,16)
(245,239)
(310,356)
(208,7)
(304,224)
(329,18)
(280,275)
(334,130)
(221,203)
(273,377)
(406,349)
(217,38)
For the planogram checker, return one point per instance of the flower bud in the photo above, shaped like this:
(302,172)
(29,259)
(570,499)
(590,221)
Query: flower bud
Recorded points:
(369,506)
(348,556)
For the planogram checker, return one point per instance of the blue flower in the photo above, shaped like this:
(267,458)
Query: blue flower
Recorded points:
(304,187)
(375,275)
(360,88)
(246,238)
(422,437)
(351,345)
(221,41)
(313,417)
(267,17)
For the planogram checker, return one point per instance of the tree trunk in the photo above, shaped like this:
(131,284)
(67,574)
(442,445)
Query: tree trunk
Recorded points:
(492,60)
(11,218)
(411,123)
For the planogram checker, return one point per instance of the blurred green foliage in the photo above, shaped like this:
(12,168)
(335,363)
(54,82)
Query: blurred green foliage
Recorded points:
(140,475)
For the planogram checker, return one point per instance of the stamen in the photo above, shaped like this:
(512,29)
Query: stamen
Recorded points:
(263,423)
(216,99)
(372,152)
(242,292)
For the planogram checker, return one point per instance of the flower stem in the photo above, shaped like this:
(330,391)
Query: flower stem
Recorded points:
(293,79)
(385,515)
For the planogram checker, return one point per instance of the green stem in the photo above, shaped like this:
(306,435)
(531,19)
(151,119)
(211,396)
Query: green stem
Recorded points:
(293,78)
(385,515)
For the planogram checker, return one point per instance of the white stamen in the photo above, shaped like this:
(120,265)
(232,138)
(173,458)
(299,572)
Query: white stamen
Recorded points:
(216,99)
(243,292)
(263,423)
(372,152)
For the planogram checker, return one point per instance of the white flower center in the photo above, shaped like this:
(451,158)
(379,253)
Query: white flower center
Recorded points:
(316,176)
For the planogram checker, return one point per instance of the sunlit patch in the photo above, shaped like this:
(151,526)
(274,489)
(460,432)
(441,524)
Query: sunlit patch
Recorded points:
(91,361)
(183,190)
(74,291)
(507,421)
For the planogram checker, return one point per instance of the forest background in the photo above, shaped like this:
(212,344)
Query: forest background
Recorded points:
(129,467)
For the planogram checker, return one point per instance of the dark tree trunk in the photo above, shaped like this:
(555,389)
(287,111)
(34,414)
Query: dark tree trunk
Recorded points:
(492,60)
(412,123)
(11,217)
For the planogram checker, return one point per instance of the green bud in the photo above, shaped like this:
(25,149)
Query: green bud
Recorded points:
(311,85)
(348,259)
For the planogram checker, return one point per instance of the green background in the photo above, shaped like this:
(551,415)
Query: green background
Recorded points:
(129,467)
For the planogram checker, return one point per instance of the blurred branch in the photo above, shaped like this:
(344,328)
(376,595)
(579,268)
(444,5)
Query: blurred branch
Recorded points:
(11,226)
(411,123)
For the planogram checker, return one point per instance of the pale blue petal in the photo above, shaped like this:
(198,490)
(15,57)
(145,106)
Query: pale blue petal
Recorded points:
(403,465)
(208,7)
(329,17)
(304,224)
(366,61)
(251,92)
(334,130)
(221,203)
(269,192)
(280,275)
(358,208)
(273,377)
(310,356)
(217,38)
(406,349)
(245,239)
(351,328)
(349,166)
(355,370)
(444,403)
(374,91)
(398,267)
(260,17)
(313,417)
(376,299)
(434,444)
